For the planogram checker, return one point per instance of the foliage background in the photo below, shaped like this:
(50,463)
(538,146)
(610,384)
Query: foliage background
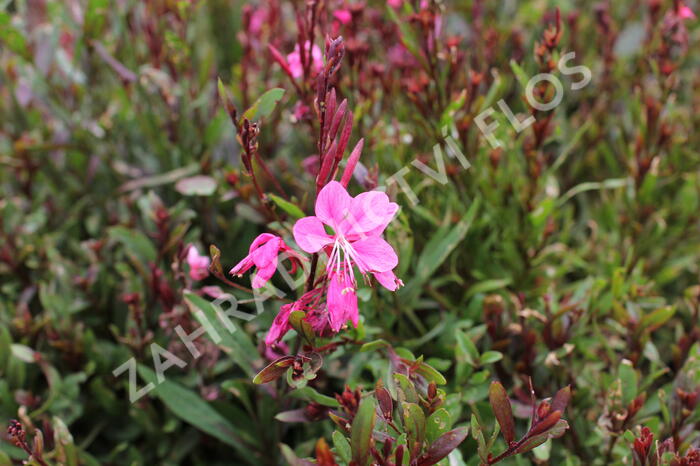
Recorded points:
(570,258)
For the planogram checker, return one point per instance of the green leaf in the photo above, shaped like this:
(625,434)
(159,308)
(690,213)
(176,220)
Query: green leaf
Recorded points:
(487,286)
(407,392)
(612,183)
(447,118)
(188,406)
(12,37)
(342,446)
(628,381)
(233,340)
(436,251)
(466,349)
(408,38)
(520,74)
(310,394)
(302,326)
(430,373)
(64,442)
(265,105)
(135,242)
(437,424)
(414,423)
(657,318)
(361,430)
(286,206)
(476,428)
(5,348)
(490,357)
(374,345)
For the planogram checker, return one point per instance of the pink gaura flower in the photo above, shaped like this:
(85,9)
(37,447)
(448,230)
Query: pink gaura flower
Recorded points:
(263,254)
(342,300)
(294,59)
(395,3)
(357,224)
(199,265)
(684,12)
(280,325)
(311,304)
(344,16)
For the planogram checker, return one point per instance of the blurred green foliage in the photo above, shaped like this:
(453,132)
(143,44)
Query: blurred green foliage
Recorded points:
(568,256)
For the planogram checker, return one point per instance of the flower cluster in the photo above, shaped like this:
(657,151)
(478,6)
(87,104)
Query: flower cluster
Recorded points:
(353,242)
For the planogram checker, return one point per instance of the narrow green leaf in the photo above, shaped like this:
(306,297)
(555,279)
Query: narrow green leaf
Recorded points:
(265,104)
(342,446)
(189,406)
(286,206)
(414,423)
(430,374)
(135,242)
(435,253)
(310,394)
(361,431)
(490,357)
(466,349)
(235,343)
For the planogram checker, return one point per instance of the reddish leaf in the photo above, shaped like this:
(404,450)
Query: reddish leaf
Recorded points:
(386,405)
(561,399)
(555,432)
(274,370)
(551,419)
(443,446)
(324,456)
(501,408)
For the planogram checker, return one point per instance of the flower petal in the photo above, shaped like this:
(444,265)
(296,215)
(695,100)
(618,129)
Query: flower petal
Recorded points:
(342,302)
(369,212)
(332,204)
(264,274)
(243,266)
(260,240)
(388,280)
(267,253)
(310,234)
(373,254)
(280,325)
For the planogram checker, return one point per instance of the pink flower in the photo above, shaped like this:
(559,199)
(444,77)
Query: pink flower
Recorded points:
(275,351)
(357,223)
(295,64)
(263,254)
(684,12)
(344,16)
(280,325)
(310,303)
(342,300)
(395,3)
(199,265)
